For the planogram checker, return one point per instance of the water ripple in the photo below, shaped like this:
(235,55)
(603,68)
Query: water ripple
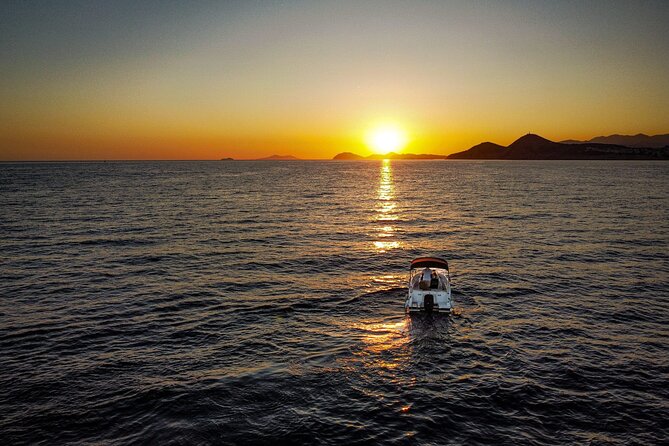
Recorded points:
(261,303)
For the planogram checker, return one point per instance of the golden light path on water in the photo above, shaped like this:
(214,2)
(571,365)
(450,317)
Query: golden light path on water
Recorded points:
(386,211)
(386,340)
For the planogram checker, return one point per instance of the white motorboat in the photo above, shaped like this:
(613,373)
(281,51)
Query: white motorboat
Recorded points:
(429,286)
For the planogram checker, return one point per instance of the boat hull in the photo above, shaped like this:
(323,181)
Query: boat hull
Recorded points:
(429,301)
(434,310)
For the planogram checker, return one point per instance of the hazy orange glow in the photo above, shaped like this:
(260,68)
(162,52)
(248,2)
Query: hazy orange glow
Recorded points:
(248,80)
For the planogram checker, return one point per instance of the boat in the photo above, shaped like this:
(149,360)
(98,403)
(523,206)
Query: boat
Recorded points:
(433,295)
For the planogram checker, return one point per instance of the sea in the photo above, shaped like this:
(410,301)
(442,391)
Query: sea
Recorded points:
(262,302)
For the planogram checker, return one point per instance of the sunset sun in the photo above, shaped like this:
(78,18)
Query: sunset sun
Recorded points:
(386,139)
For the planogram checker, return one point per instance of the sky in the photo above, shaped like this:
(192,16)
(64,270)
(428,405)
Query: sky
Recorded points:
(206,80)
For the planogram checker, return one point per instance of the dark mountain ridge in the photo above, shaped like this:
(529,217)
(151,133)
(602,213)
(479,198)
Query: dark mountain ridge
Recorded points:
(639,140)
(483,151)
(535,147)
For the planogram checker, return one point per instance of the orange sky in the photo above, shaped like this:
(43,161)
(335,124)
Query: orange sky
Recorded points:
(311,78)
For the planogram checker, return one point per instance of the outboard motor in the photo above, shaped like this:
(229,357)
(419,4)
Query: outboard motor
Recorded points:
(428,303)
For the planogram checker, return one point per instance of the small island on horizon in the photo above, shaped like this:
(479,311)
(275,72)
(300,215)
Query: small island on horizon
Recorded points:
(348,156)
(278,158)
(268,158)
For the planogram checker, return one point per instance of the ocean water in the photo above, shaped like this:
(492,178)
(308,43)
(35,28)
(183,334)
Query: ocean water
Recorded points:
(262,303)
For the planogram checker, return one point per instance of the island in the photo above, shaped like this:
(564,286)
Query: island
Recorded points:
(535,147)
(348,156)
(278,158)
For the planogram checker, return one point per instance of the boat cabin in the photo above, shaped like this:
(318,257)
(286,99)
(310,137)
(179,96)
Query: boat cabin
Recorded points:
(429,273)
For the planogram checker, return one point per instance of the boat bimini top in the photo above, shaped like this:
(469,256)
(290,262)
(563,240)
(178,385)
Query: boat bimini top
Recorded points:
(429,262)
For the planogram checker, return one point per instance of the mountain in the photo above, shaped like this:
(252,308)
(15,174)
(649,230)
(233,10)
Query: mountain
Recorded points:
(483,151)
(529,146)
(347,156)
(278,158)
(535,147)
(638,140)
(389,156)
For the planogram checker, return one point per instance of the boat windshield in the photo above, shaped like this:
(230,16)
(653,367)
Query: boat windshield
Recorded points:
(438,279)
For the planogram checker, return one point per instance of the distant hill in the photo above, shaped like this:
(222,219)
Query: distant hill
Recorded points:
(483,151)
(278,158)
(389,156)
(534,147)
(227,159)
(347,156)
(638,140)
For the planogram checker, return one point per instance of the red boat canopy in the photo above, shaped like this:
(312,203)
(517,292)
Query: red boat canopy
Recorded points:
(429,262)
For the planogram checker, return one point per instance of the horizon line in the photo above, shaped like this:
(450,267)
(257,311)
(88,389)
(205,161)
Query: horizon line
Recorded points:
(206,159)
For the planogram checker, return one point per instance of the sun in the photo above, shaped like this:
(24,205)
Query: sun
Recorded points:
(386,139)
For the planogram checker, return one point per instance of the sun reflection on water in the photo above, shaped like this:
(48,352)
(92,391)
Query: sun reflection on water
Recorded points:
(386,211)
(385,343)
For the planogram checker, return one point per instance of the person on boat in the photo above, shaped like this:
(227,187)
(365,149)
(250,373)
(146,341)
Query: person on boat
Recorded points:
(434,282)
(425,279)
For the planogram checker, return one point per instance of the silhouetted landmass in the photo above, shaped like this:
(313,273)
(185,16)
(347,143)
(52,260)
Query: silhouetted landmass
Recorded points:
(639,140)
(279,158)
(483,151)
(389,156)
(534,147)
(227,159)
(347,156)
(573,141)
